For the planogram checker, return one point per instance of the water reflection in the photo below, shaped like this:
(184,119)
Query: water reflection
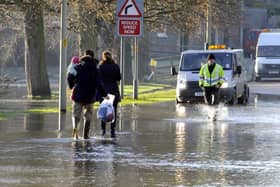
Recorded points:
(61,123)
(34,122)
(180,143)
(83,167)
(180,139)
(94,163)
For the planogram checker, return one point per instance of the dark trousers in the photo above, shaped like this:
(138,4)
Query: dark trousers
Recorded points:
(209,92)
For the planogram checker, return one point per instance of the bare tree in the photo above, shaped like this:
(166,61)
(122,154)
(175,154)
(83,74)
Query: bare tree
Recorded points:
(183,15)
(35,66)
(94,21)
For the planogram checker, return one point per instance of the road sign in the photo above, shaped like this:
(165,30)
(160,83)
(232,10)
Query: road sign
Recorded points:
(129,9)
(130,17)
(129,27)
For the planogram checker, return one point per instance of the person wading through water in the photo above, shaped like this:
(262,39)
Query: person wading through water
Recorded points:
(85,84)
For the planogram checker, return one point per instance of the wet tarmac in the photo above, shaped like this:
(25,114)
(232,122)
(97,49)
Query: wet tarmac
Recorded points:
(157,145)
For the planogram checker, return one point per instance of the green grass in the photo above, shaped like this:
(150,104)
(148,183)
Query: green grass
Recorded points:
(9,114)
(149,98)
(145,87)
(43,110)
(3,116)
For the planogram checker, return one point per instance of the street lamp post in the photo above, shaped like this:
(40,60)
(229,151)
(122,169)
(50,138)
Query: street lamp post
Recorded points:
(241,24)
(208,25)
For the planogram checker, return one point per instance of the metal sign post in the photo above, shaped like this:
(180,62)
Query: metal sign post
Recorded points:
(135,77)
(122,60)
(130,24)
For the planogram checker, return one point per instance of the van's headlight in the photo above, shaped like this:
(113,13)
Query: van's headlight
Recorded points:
(258,66)
(225,85)
(182,84)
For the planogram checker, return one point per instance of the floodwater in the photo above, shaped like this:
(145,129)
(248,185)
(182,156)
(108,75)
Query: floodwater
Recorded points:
(157,145)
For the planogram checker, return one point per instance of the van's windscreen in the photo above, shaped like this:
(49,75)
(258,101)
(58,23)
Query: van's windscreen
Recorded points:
(268,51)
(194,61)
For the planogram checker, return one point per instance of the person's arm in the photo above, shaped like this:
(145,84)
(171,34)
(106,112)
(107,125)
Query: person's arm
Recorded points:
(71,80)
(201,76)
(100,85)
(221,76)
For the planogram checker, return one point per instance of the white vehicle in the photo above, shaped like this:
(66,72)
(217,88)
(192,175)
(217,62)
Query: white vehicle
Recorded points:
(267,64)
(234,89)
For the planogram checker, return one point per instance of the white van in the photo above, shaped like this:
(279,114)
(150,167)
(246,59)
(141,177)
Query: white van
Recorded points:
(235,88)
(267,64)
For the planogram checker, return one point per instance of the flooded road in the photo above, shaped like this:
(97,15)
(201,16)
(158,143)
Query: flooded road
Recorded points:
(157,145)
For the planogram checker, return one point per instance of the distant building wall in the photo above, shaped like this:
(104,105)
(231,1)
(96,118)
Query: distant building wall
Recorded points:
(274,22)
(169,43)
(164,43)
(255,18)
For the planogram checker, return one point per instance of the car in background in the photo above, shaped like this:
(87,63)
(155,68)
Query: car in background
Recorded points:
(267,63)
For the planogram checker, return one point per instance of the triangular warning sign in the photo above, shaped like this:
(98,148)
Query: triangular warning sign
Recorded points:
(129,9)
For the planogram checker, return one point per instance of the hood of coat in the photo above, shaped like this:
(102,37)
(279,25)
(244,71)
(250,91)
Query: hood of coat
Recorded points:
(86,58)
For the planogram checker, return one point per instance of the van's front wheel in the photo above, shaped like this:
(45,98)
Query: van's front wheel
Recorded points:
(178,102)
(257,79)
(233,100)
(244,99)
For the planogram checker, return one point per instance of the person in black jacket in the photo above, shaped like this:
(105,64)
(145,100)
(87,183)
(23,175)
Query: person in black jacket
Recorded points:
(85,84)
(110,76)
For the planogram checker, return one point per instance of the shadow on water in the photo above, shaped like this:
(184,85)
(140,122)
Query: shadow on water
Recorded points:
(162,144)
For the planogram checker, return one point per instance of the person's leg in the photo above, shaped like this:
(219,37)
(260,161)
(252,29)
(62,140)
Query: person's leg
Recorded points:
(210,99)
(207,96)
(216,93)
(103,127)
(87,117)
(113,124)
(76,116)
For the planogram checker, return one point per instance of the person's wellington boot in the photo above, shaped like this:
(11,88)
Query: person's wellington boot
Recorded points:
(113,132)
(86,129)
(103,127)
(75,123)
(75,134)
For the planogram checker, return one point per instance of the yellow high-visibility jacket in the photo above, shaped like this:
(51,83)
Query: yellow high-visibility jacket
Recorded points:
(209,80)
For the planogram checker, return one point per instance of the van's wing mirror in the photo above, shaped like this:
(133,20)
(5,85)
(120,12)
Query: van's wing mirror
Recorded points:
(173,70)
(238,70)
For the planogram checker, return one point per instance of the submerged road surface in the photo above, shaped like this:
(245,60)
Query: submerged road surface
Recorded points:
(157,145)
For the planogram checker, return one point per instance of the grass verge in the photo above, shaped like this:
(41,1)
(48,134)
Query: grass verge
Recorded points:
(147,94)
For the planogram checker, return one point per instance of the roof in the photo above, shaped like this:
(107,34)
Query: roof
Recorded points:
(269,38)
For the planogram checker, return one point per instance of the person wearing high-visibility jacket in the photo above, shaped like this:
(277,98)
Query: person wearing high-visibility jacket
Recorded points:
(211,79)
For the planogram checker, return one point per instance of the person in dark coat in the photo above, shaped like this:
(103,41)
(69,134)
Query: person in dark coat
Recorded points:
(85,84)
(110,76)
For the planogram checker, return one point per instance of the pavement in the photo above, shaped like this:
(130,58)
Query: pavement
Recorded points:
(265,88)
